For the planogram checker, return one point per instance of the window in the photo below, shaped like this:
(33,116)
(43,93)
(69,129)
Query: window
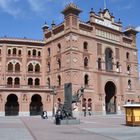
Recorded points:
(59,63)
(39,54)
(17,81)
(17,67)
(127,55)
(86,79)
(37,82)
(9,52)
(10,66)
(9,81)
(0,51)
(128,69)
(85,46)
(49,51)
(129,84)
(59,80)
(108,59)
(59,47)
(29,53)
(37,68)
(30,81)
(49,66)
(30,67)
(14,51)
(99,64)
(117,64)
(48,82)
(34,52)
(19,52)
(85,62)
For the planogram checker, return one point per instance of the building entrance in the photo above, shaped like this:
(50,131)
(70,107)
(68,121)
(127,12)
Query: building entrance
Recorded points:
(110,98)
(36,105)
(12,106)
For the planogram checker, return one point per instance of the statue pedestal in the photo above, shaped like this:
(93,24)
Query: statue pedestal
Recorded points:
(69,121)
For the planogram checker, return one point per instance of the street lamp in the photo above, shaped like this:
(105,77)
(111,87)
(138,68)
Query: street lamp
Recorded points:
(53,92)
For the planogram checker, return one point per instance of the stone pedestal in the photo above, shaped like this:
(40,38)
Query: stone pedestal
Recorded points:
(69,121)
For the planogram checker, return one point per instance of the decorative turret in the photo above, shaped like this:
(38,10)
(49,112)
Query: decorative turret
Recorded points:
(92,16)
(71,14)
(71,9)
(131,32)
(45,27)
(53,24)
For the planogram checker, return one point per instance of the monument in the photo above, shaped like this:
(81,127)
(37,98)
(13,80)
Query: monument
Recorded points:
(64,113)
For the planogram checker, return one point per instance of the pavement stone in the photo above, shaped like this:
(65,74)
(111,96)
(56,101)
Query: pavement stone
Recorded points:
(97,127)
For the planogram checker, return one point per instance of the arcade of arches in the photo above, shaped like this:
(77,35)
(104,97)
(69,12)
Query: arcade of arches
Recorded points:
(15,105)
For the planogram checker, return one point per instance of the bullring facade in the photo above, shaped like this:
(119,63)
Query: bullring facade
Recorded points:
(96,54)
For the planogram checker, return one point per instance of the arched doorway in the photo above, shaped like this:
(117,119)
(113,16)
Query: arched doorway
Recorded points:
(108,59)
(36,106)
(110,98)
(12,106)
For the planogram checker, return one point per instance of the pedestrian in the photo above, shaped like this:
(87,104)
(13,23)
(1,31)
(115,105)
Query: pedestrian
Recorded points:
(44,115)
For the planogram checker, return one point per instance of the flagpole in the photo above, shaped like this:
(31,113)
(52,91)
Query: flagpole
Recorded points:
(104,4)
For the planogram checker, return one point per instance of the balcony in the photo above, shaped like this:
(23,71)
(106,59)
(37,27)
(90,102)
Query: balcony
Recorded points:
(37,88)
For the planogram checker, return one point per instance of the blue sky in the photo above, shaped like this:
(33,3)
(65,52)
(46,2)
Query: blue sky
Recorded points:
(24,18)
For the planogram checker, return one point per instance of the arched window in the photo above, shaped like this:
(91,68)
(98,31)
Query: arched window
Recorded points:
(37,68)
(37,82)
(29,53)
(59,63)
(48,82)
(59,47)
(108,59)
(30,81)
(30,67)
(9,52)
(117,64)
(49,66)
(34,52)
(86,79)
(59,80)
(128,69)
(9,81)
(19,52)
(85,62)
(49,51)
(17,81)
(129,84)
(39,53)
(14,51)
(10,66)
(85,46)
(99,64)
(17,67)
(127,55)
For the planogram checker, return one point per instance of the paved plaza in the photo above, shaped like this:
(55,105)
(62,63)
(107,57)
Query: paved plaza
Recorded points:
(97,127)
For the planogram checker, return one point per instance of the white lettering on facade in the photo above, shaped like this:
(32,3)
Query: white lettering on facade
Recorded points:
(107,24)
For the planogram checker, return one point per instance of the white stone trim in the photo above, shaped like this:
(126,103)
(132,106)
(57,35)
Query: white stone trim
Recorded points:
(49,113)
(24,113)
(2,114)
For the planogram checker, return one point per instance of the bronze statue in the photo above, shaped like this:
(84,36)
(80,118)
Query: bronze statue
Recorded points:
(65,110)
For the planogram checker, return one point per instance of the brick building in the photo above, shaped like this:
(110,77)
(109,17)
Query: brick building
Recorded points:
(96,54)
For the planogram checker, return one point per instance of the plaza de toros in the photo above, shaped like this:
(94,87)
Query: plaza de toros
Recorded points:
(97,54)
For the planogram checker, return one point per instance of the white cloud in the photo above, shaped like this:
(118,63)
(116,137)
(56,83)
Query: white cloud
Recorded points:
(37,5)
(9,6)
(138,28)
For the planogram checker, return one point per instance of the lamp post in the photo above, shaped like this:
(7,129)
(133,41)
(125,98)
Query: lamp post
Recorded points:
(53,92)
